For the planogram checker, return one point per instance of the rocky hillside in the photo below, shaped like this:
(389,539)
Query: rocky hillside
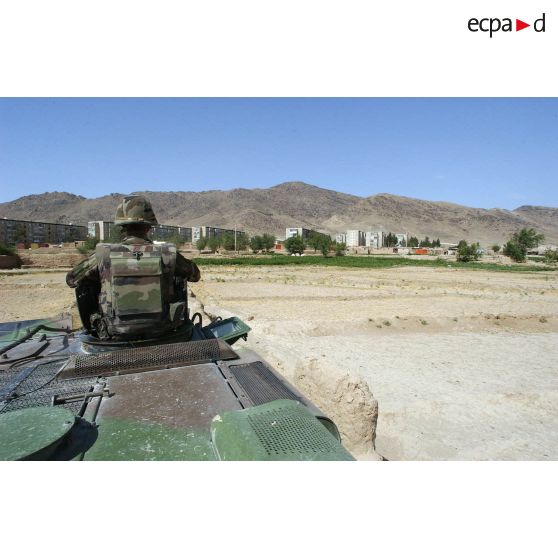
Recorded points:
(298,204)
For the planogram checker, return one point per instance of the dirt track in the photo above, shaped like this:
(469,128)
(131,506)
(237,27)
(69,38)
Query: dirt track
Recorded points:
(462,363)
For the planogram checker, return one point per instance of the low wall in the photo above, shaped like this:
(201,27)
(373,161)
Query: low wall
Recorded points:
(50,259)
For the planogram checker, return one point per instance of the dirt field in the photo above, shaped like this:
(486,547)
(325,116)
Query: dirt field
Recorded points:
(463,363)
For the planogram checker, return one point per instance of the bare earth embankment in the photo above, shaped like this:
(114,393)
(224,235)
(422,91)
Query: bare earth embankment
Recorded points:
(463,364)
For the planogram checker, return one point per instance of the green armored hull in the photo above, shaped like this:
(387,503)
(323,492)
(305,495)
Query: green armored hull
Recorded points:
(189,396)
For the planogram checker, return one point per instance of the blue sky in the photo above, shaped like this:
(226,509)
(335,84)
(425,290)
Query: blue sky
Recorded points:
(477,152)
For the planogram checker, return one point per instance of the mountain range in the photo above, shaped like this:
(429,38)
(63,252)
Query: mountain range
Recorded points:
(296,204)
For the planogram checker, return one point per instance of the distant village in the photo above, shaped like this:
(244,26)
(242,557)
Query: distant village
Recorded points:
(33,234)
(25,234)
(357,241)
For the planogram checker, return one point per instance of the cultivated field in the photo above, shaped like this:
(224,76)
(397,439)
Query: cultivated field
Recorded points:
(463,363)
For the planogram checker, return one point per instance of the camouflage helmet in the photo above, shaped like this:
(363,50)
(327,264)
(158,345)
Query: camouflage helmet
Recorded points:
(135,210)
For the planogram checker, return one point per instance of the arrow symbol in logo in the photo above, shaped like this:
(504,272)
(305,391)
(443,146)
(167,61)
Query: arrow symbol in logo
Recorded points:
(519,25)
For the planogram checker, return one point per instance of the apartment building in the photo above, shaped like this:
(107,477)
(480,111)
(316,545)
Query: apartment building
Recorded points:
(355,238)
(16,231)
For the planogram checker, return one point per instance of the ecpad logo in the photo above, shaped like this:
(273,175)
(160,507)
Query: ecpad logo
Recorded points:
(493,25)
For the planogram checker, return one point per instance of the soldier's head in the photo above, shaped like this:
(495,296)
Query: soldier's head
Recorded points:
(135,215)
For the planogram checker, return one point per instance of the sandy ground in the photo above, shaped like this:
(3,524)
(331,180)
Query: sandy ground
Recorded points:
(464,364)
(30,295)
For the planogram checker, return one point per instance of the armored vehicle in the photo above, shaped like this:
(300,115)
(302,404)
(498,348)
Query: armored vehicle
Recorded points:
(142,380)
(189,395)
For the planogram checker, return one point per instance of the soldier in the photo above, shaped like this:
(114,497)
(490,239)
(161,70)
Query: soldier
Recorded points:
(134,289)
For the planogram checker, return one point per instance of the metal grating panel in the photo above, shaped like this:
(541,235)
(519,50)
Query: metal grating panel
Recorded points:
(36,385)
(260,384)
(291,432)
(147,358)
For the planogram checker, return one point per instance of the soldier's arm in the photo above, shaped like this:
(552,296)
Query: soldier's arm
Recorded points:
(187,268)
(87,269)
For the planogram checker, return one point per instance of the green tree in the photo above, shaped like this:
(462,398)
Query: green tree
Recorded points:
(241,242)
(314,240)
(466,252)
(495,248)
(520,243)
(213,244)
(295,245)
(228,241)
(390,240)
(413,242)
(201,243)
(323,243)
(529,238)
(515,251)
(268,242)
(340,248)
(425,243)
(256,243)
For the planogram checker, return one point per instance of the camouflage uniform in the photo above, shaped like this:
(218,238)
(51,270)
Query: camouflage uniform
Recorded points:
(146,279)
(88,269)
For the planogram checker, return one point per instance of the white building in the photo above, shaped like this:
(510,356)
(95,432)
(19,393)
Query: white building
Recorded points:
(211,232)
(401,239)
(100,230)
(355,238)
(374,239)
(297,231)
(341,238)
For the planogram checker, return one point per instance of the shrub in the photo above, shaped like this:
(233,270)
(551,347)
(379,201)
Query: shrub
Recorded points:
(551,257)
(340,248)
(495,248)
(6,250)
(175,239)
(201,243)
(88,245)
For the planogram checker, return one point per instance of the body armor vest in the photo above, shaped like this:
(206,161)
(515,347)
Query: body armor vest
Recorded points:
(138,297)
